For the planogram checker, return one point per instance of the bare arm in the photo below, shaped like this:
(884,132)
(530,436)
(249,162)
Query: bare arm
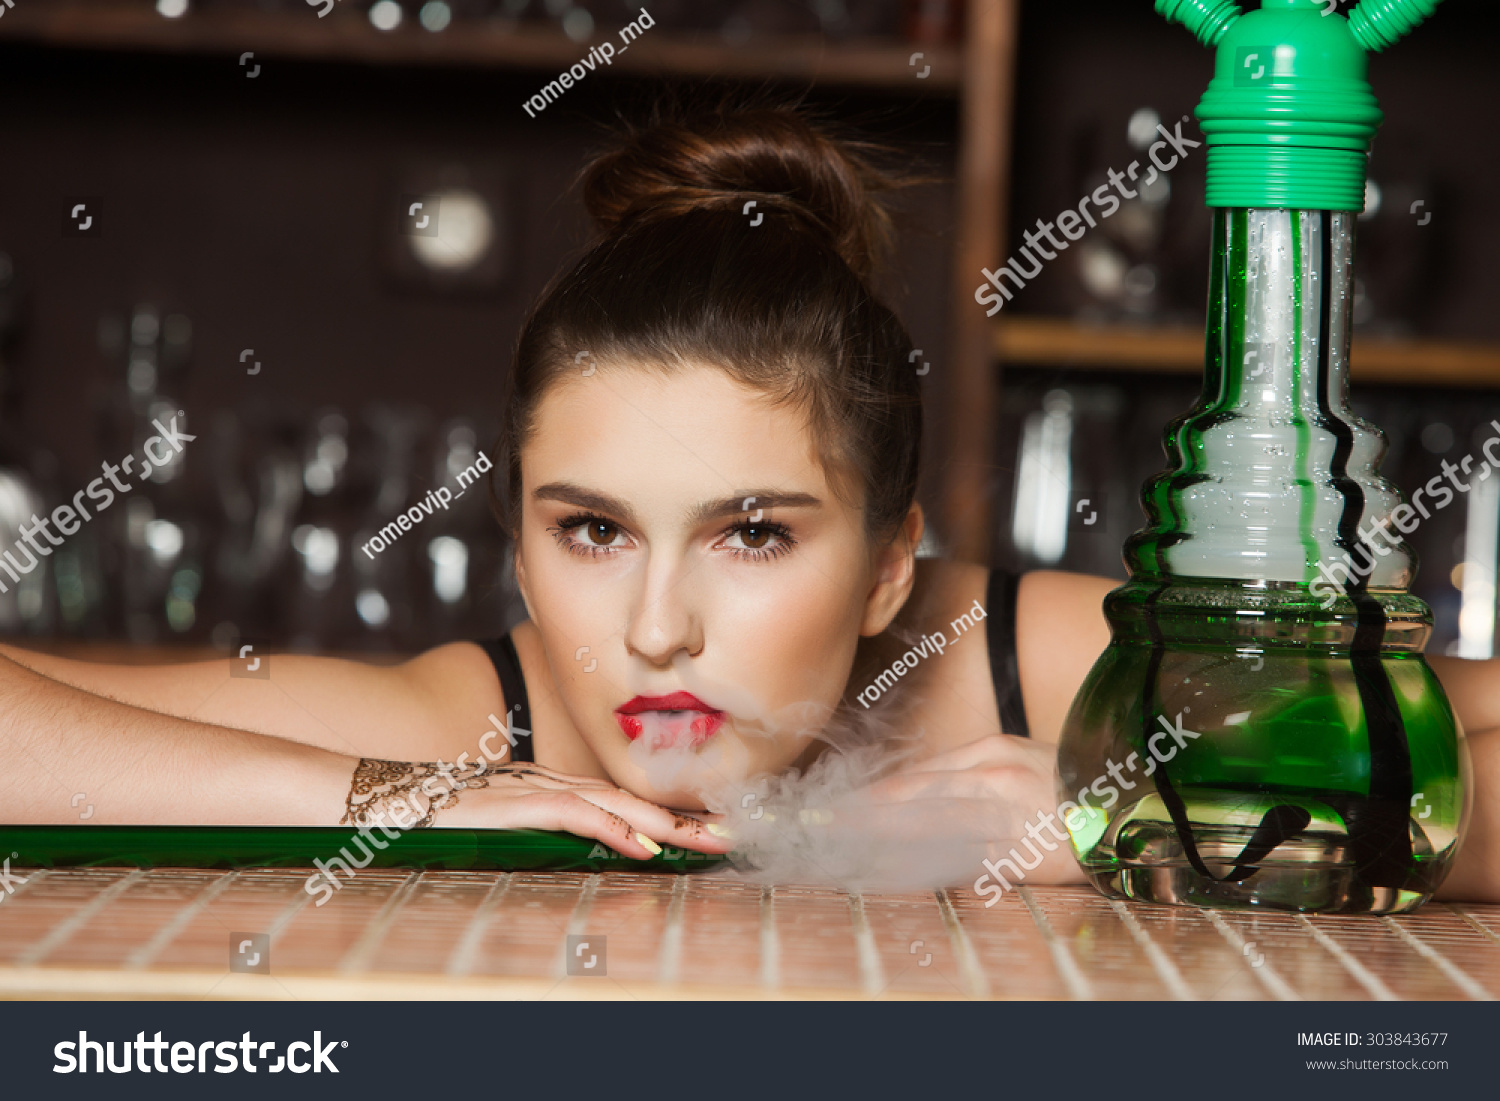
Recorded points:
(1476,872)
(433,706)
(138,767)
(1473,688)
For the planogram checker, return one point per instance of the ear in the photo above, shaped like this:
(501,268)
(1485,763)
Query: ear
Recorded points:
(895,570)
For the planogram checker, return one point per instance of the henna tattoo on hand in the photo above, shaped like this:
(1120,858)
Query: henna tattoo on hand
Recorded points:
(378,786)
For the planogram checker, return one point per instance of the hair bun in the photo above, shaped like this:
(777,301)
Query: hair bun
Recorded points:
(725,157)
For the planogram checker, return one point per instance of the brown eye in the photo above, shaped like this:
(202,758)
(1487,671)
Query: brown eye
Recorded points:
(754,542)
(602,532)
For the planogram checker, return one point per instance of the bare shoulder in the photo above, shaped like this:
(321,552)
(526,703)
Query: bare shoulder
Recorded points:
(1076,598)
(461,667)
(1060,633)
(458,683)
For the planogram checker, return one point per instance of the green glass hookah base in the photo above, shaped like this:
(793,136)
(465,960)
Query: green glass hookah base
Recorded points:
(1290,748)
(298,846)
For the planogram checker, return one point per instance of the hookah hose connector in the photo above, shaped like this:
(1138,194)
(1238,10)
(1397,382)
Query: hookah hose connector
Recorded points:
(1377,24)
(1289,114)
(1207,19)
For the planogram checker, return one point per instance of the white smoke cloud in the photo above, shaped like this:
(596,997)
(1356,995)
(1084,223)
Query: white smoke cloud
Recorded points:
(827,825)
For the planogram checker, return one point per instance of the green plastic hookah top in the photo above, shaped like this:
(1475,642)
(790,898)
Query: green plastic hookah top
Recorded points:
(1290,114)
(1263,730)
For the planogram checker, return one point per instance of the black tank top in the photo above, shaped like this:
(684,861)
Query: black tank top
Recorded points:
(502,652)
(1000,635)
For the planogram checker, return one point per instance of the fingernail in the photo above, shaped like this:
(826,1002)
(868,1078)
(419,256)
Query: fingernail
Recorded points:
(720,831)
(649,844)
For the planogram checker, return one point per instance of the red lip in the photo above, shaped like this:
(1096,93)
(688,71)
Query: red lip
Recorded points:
(702,727)
(677,701)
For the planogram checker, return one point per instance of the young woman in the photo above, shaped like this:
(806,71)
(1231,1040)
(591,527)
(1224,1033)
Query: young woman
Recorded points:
(709,471)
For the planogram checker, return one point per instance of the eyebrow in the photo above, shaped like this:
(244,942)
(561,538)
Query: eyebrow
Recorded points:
(573,494)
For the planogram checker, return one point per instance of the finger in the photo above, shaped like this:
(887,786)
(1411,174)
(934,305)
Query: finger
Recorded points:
(657,822)
(570,812)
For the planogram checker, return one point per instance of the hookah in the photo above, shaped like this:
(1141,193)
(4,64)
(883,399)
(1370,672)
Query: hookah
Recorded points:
(1263,731)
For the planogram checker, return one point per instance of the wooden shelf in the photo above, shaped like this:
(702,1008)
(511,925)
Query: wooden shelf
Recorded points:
(1045,341)
(116,652)
(346,35)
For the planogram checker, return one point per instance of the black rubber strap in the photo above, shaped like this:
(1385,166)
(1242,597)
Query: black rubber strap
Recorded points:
(1000,633)
(502,652)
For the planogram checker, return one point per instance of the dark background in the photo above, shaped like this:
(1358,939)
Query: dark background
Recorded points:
(266,212)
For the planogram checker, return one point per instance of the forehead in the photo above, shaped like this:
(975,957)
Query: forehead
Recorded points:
(641,432)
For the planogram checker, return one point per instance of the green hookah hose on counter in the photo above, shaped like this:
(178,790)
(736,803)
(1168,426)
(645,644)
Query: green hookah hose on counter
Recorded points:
(439,848)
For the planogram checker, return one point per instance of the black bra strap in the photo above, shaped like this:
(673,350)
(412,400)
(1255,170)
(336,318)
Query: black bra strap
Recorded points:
(1000,633)
(502,652)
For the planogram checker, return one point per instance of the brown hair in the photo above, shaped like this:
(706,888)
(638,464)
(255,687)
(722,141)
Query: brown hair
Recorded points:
(784,306)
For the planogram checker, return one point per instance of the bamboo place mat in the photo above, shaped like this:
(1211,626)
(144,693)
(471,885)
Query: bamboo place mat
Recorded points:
(176,933)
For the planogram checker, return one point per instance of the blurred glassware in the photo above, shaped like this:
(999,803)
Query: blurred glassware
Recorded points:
(1039,518)
(319,548)
(1133,264)
(326,455)
(450,568)
(26,576)
(386,15)
(435,16)
(1071,501)
(258,478)
(458,450)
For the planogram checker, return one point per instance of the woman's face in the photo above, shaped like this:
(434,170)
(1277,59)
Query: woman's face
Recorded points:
(679,537)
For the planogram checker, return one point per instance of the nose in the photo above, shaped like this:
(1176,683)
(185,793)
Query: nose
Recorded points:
(666,616)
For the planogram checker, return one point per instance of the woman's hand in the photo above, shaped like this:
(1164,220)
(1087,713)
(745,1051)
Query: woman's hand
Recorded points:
(529,796)
(1012,783)
(933,824)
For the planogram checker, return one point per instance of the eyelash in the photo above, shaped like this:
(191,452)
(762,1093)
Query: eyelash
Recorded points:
(754,554)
